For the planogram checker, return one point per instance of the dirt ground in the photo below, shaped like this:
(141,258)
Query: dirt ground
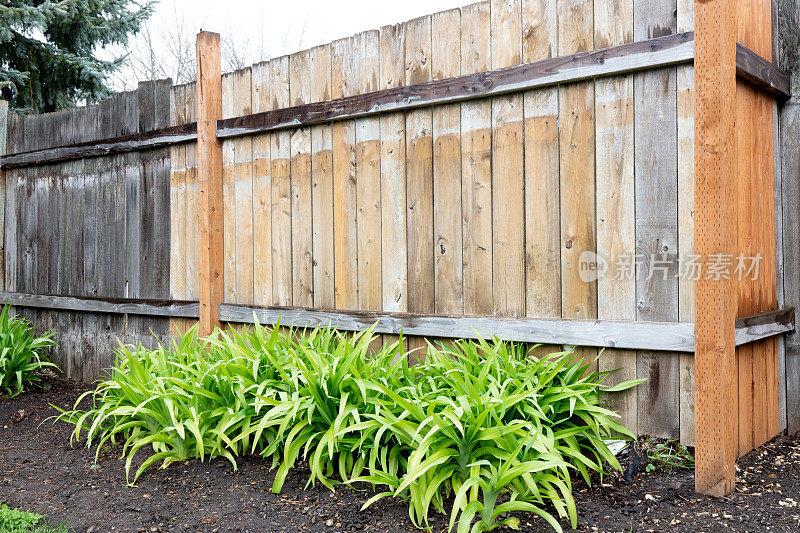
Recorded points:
(40,471)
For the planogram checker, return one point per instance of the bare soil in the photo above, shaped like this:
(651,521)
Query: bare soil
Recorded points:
(41,471)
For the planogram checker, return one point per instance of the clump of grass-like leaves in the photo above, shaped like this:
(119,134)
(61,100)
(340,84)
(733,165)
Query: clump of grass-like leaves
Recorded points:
(477,426)
(22,354)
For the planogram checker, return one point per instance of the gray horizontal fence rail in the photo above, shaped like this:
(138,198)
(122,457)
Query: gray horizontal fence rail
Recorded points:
(661,336)
(629,57)
(757,327)
(129,306)
(673,336)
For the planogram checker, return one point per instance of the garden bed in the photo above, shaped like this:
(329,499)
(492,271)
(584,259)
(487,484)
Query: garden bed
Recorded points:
(41,471)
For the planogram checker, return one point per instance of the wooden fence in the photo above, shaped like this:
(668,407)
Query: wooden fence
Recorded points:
(444,176)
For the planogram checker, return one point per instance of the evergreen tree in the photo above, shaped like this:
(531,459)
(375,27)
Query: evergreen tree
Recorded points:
(48,49)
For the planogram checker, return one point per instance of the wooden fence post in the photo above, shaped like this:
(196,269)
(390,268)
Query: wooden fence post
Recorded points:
(209,177)
(715,233)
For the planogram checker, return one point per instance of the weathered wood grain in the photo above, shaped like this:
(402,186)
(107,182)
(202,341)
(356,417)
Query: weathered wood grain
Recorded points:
(567,68)
(476,166)
(394,250)
(762,73)
(447,214)
(322,182)
(599,333)
(790,199)
(616,215)
(133,142)
(281,188)
(228,194)
(117,306)
(243,192)
(368,179)
(419,177)
(508,236)
(685,117)
(262,192)
(577,171)
(300,170)
(765,325)
(656,220)
(344,81)
(542,181)
(4,126)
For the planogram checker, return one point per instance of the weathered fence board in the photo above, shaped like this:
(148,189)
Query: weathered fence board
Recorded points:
(469,162)
(616,215)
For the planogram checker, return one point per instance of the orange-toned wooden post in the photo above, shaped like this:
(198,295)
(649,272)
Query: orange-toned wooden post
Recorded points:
(209,177)
(715,233)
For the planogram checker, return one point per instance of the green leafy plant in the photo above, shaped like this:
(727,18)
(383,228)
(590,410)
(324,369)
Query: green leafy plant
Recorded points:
(670,454)
(477,425)
(16,521)
(22,354)
(13,520)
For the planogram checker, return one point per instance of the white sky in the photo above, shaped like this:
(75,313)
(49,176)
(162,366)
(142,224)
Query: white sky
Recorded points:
(290,25)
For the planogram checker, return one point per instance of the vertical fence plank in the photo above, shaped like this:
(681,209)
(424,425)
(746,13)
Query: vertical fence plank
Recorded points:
(368,179)
(228,193)
(10,226)
(542,209)
(750,363)
(750,358)
(155,267)
(790,194)
(300,170)
(763,162)
(616,217)
(419,177)
(508,216)
(344,81)
(4,127)
(685,117)
(158,246)
(447,214)
(715,233)
(135,174)
(89,183)
(243,190)
(209,177)
(656,221)
(192,203)
(281,188)
(322,183)
(262,192)
(577,169)
(393,176)
(177,200)
(476,166)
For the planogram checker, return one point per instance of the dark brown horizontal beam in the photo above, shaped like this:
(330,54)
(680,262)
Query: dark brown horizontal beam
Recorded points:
(762,73)
(129,306)
(113,145)
(757,327)
(629,57)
